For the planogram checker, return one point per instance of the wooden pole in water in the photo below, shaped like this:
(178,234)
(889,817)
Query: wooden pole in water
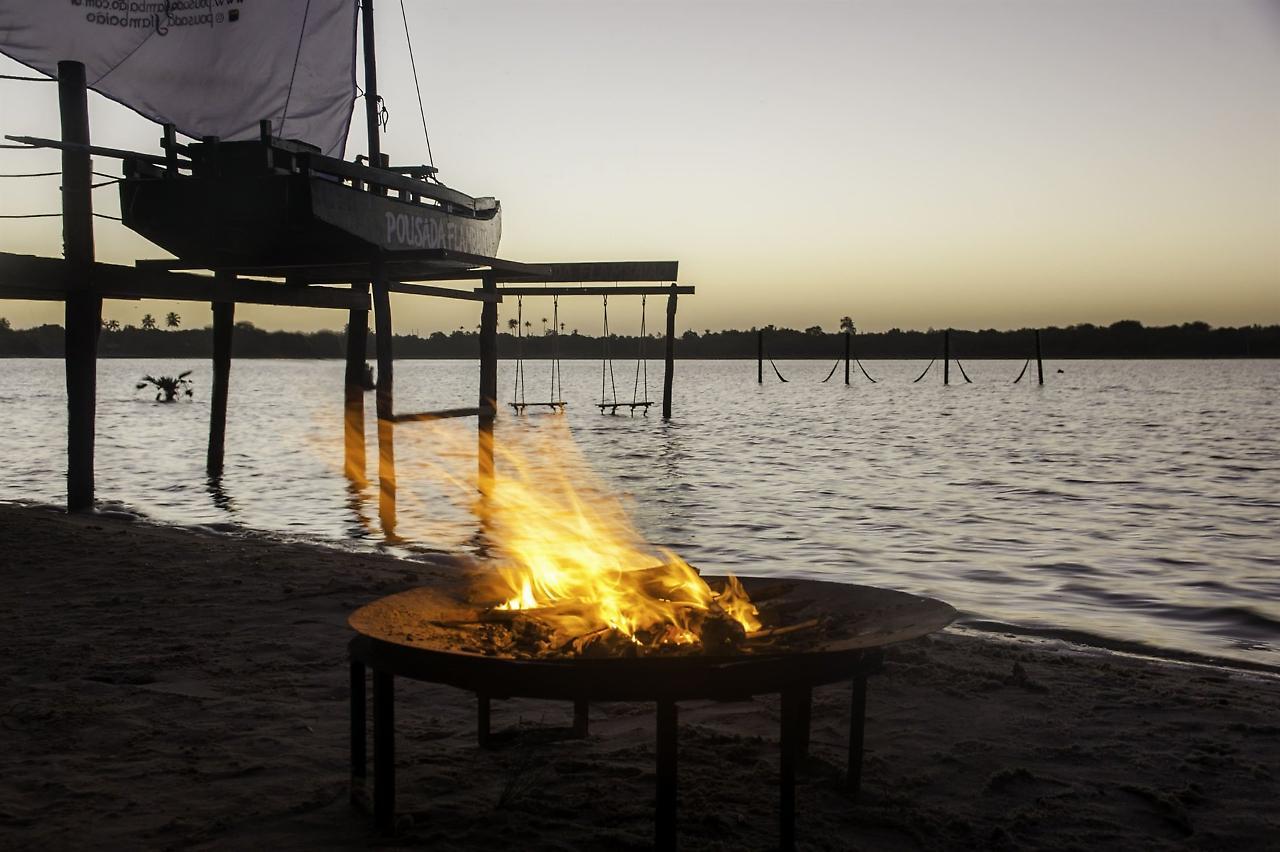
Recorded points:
(1039,363)
(760,356)
(847,347)
(946,357)
(353,392)
(224,317)
(385,400)
(668,377)
(488,385)
(83,317)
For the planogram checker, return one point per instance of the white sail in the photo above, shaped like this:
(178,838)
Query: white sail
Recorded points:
(210,67)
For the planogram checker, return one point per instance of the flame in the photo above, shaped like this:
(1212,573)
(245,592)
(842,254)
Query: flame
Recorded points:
(568,552)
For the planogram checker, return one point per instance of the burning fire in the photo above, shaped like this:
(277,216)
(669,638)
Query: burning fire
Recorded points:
(569,555)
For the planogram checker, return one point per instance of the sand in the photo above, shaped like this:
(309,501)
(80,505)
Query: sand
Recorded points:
(177,688)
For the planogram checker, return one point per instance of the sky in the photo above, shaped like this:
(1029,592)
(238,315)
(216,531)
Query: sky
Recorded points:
(912,164)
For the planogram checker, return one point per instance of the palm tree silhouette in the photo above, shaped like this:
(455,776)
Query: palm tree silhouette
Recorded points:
(148,322)
(172,320)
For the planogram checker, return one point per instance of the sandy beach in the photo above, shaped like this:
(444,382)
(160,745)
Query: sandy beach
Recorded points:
(178,688)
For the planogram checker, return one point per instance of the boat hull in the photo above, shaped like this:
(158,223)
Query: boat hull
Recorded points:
(293,220)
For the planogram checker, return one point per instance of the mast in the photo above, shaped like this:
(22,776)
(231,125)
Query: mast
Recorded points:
(370,84)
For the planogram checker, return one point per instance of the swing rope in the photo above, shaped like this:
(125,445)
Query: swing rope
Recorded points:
(517,393)
(606,364)
(641,363)
(557,380)
(1025,365)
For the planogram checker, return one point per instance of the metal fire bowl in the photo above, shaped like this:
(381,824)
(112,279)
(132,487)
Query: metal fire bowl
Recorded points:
(872,618)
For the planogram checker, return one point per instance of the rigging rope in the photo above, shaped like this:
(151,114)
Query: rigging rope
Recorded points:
(834,367)
(926,370)
(31,175)
(297,54)
(1025,365)
(967,380)
(29,79)
(864,371)
(640,358)
(414,65)
(776,370)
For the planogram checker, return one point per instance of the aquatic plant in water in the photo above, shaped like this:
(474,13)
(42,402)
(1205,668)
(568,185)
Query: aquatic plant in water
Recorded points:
(168,387)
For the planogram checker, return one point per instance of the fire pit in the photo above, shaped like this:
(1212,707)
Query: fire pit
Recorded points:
(811,633)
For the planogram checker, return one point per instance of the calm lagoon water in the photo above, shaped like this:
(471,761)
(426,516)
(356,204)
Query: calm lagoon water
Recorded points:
(1126,500)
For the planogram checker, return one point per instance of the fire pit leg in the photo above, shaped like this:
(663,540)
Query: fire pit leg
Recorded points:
(665,820)
(857,728)
(384,752)
(580,718)
(805,711)
(358,729)
(792,701)
(482,720)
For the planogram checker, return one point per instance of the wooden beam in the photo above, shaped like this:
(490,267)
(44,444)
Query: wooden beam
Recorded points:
(91,150)
(443,292)
(596,291)
(31,277)
(443,414)
(625,270)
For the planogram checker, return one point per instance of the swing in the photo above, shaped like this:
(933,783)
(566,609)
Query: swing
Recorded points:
(518,402)
(606,370)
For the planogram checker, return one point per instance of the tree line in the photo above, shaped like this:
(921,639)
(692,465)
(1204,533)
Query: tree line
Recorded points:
(1123,339)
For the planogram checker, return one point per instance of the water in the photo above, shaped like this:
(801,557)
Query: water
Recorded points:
(1132,501)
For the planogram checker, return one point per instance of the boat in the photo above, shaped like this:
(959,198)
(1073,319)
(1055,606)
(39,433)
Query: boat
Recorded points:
(254,193)
(277,203)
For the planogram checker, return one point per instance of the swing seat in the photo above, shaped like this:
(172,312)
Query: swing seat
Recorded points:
(556,407)
(614,406)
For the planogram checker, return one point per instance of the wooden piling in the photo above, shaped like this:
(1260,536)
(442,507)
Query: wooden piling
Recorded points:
(760,356)
(668,378)
(488,385)
(385,400)
(353,393)
(83,317)
(1039,363)
(946,357)
(371,102)
(848,345)
(224,317)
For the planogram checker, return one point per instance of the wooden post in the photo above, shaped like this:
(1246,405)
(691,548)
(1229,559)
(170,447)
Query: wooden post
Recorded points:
(847,347)
(384,752)
(83,318)
(385,401)
(1039,363)
(760,356)
(353,393)
(224,317)
(669,377)
(488,385)
(946,357)
(664,823)
(370,84)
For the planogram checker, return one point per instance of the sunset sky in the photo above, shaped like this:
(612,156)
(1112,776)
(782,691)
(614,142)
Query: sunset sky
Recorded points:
(966,163)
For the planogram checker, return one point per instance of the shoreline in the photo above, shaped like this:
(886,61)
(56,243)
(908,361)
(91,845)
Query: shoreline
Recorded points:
(1065,638)
(172,687)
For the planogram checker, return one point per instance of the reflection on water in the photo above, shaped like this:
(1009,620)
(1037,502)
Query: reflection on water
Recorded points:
(1135,500)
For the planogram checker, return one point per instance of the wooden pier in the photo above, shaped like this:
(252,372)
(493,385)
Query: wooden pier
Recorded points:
(353,285)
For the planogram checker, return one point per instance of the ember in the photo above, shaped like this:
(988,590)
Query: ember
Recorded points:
(575,577)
